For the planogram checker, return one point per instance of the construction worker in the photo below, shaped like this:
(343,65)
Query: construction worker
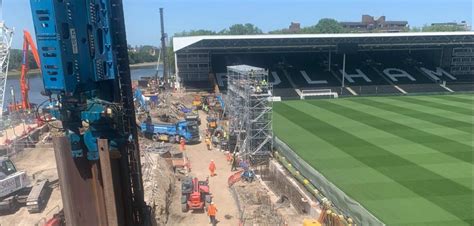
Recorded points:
(264,83)
(208,143)
(228,157)
(234,162)
(182,144)
(212,168)
(212,212)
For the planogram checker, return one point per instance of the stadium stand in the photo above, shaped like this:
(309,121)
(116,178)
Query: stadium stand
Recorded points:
(375,64)
(367,73)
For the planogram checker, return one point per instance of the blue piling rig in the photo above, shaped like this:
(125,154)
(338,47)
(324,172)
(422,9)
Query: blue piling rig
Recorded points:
(84,56)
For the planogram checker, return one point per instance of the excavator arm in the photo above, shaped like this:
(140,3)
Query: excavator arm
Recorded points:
(27,44)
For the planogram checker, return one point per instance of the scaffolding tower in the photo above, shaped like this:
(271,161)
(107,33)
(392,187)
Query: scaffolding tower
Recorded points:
(6,35)
(249,98)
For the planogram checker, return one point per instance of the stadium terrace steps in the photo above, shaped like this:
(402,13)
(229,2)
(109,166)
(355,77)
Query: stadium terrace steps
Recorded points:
(461,87)
(367,73)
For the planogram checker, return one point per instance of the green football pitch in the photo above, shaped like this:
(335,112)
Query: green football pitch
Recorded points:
(408,160)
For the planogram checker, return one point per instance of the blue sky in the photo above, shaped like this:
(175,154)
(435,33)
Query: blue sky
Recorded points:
(142,18)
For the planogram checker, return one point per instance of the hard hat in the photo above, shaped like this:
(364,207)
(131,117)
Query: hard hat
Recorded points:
(212,203)
(212,160)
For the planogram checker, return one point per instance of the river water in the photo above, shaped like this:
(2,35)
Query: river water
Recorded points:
(36,85)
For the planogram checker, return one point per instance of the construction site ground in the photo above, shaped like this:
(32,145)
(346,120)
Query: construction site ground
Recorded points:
(163,187)
(257,202)
(39,164)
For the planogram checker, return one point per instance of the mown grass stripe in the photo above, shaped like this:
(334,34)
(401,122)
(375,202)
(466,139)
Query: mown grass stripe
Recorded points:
(431,110)
(449,147)
(428,158)
(433,190)
(423,116)
(455,99)
(437,105)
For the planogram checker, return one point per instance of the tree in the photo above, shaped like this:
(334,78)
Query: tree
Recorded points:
(279,31)
(142,54)
(16,58)
(195,33)
(441,28)
(415,29)
(327,26)
(242,29)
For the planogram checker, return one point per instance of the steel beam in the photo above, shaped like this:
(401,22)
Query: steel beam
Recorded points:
(108,183)
(99,193)
(75,180)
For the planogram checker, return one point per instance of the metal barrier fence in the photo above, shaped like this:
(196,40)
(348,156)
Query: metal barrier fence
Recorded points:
(28,141)
(344,203)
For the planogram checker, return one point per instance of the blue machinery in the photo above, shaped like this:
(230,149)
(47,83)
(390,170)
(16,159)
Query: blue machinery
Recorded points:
(83,51)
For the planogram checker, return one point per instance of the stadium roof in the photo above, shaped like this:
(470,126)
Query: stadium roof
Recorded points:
(221,42)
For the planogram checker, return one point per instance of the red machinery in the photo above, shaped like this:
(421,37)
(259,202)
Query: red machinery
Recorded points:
(27,43)
(195,194)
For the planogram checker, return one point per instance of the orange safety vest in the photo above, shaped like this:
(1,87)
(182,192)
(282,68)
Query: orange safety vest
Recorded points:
(212,166)
(212,210)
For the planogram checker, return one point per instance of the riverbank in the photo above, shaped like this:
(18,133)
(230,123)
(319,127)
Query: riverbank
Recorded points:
(35,72)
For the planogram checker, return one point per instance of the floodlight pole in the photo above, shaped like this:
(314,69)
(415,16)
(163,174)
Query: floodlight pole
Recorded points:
(343,69)
(329,61)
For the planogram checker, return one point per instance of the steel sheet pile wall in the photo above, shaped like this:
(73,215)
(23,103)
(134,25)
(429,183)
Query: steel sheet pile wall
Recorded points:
(281,184)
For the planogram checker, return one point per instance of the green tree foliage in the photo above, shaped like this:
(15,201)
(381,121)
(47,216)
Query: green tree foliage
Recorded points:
(242,29)
(415,29)
(324,26)
(16,58)
(195,33)
(441,28)
(142,54)
(281,31)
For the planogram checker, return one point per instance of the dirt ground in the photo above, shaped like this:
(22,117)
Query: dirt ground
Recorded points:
(39,163)
(200,158)
(163,187)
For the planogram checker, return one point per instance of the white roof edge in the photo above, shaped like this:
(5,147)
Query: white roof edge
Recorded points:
(182,42)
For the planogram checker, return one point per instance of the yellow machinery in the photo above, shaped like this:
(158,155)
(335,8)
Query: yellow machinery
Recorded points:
(311,222)
(197,103)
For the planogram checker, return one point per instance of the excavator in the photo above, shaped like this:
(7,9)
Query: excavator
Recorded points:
(27,44)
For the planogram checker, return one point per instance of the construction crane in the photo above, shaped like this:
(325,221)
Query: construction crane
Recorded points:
(24,86)
(85,67)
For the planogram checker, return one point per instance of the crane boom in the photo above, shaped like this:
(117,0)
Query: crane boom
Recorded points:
(27,44)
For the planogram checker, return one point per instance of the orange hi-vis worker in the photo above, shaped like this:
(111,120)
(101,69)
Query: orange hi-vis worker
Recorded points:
(212,212)
(212,168)
(182,144)
(228,157)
